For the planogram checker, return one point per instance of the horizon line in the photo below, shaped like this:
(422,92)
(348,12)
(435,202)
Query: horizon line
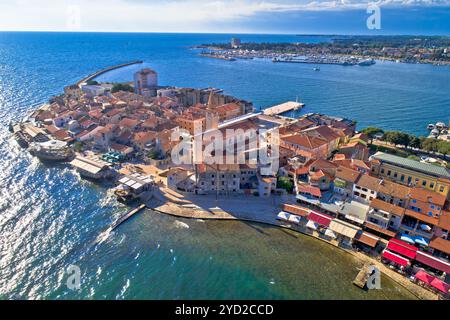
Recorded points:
(228,33)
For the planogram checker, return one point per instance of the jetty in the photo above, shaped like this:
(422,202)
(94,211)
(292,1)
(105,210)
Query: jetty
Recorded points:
(127,216)
(282,108)
(361,278)
(98,73)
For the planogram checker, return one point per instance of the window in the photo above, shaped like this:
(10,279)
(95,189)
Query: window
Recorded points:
(409,180)
(395,174)
(382,171)
(441,189)
(402,177)
(424,183)
(389,172)
(432,206)
(431,184)
(413,200)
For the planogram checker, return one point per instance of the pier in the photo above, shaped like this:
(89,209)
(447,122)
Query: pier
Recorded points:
(282,108)
(98,73)
(127,216)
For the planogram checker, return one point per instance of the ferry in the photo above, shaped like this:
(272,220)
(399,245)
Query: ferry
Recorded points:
(53,150)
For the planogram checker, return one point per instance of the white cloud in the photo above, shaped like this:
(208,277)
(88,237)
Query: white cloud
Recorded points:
(169,15)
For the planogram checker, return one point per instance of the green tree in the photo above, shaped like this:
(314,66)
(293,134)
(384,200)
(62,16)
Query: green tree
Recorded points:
(443,147)
(78,146)
(285,183)
(121,87)
(429,144)
(371,132)
(92,83)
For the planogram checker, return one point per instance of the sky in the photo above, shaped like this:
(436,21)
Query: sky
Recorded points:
(229,16)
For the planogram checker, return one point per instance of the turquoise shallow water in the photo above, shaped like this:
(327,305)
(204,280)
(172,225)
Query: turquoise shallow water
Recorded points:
(49,218)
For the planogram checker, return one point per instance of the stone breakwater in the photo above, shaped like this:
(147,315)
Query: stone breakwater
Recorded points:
(193,212)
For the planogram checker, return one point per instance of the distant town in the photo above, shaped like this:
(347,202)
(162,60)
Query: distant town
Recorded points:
(382,208)
(345,50)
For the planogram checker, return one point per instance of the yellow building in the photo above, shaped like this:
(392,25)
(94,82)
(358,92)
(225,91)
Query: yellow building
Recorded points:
(412,173)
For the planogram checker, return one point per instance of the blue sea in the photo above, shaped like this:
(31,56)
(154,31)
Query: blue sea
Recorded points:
(50,218)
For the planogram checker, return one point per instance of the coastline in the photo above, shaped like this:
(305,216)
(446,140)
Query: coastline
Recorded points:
(176,210)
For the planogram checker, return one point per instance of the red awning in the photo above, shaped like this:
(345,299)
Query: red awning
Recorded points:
(424,277)
(320,218)
(403,248)
(433,262)
(440,285)
(395,258)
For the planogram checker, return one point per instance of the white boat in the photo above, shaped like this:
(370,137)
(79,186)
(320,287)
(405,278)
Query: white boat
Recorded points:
(366,62)
(54,150)
(435,132)
(430,126)
(440,125)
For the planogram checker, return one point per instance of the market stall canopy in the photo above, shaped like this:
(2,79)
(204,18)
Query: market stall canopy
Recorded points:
(311,225)
(433,262)
(395,258)
(320,218)
(330,233)
(440,285)
(402,248)
(283,216)
(424,277)
(344,228)
(367,238)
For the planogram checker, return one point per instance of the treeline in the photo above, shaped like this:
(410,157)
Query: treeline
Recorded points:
(409,141)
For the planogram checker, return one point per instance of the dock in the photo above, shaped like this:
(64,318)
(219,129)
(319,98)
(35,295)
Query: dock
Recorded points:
(127,216)
(361,278)
(98,73)
(282,108)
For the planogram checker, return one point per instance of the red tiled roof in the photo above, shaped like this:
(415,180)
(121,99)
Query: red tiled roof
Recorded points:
(428,196)
(304,188)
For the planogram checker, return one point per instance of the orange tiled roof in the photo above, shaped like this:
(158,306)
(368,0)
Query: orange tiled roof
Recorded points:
(387,207)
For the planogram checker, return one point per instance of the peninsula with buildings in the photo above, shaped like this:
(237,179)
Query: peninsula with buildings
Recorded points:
(342,50)
(386,210)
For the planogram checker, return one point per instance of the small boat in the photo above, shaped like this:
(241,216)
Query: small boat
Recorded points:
(366,62)
(430,126)
(316,69)
(440,125)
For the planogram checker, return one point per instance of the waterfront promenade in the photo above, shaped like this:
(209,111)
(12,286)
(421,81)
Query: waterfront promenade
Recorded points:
(262,210)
